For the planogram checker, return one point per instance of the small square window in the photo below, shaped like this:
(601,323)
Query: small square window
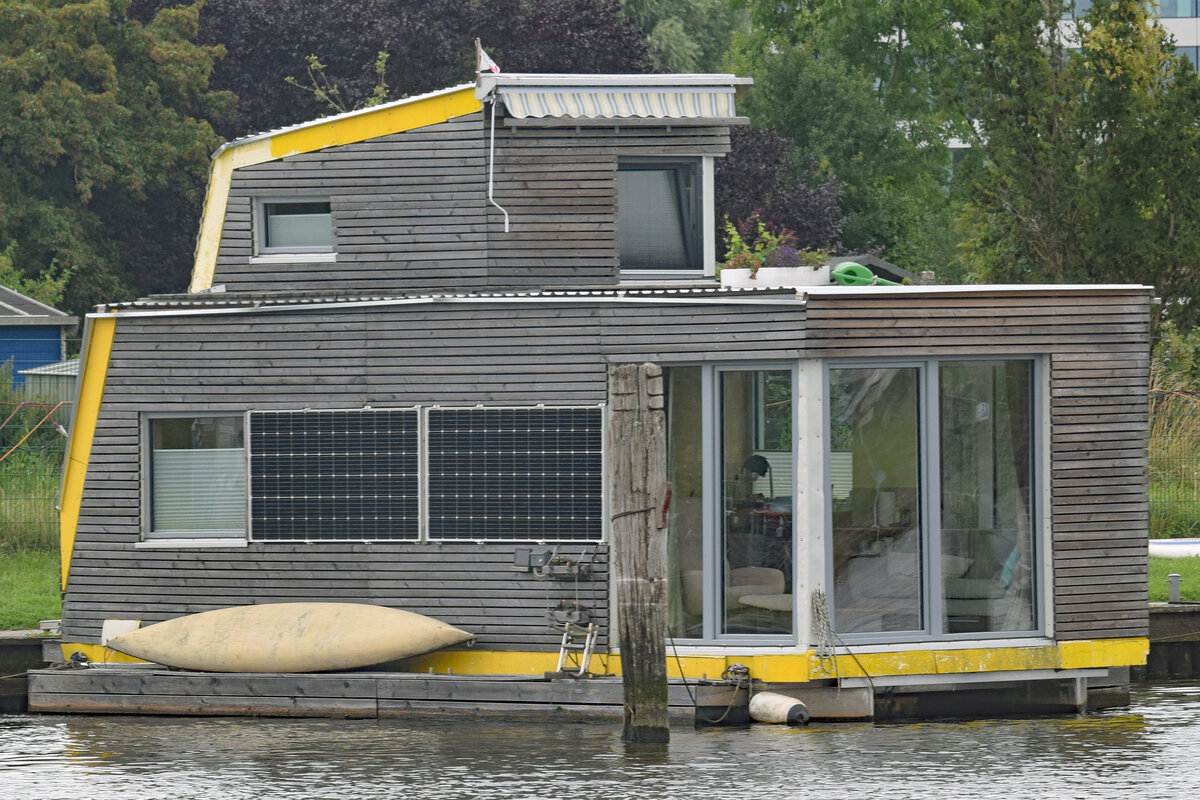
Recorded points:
(296,226)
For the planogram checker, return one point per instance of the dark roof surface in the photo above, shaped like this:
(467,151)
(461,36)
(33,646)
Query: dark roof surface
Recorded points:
(17,309)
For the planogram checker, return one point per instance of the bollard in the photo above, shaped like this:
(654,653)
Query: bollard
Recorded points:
(1173,589)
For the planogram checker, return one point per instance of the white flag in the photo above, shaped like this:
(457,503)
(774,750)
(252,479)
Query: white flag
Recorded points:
(485,62)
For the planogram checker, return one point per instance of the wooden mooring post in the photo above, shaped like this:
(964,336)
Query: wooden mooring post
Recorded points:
(638,465)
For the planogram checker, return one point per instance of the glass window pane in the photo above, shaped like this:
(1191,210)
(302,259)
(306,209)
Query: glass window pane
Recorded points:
(655,218)
(298,225)
(197,475)
(756,501)
(878,549)
(1177,8)
(986,433)
(685,521)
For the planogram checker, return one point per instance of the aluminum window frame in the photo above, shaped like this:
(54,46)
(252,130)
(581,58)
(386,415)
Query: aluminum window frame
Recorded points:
(929,473)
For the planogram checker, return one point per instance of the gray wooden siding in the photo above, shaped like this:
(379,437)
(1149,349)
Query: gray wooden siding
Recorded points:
(1093,343)
(347,358)
(410,210)
(1096,344)
(559,187)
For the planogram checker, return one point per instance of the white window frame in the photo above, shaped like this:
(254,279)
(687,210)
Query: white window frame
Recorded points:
(263,253)
(168,538)
(706,208)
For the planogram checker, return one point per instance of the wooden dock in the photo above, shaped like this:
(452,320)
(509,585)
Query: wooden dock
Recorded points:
(151,689)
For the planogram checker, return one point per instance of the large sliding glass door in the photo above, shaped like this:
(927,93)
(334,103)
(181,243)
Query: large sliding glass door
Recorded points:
(729,451)
(932,477)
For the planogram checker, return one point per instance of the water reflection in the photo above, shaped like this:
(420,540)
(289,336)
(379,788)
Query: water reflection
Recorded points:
(1145,751)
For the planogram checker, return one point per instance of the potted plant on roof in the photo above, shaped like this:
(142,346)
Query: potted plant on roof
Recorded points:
(759,256)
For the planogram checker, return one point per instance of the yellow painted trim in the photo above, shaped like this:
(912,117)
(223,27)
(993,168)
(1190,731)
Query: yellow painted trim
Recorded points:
(97,654)
(97,348)
(371,123)
(782,667)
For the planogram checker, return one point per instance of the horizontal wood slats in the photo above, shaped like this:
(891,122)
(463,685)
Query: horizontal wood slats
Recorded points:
(510,353)
(349,358)
(411,210)
(1096,344)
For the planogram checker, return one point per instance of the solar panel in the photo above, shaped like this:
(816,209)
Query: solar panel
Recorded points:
(515,474)
(334,475)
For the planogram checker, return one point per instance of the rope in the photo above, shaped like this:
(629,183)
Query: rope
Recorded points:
(826,637)
(31,431)
(825,650)
(679,665)
(737,673)
(630,513)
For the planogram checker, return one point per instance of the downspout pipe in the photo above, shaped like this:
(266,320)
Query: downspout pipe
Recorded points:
(492,165)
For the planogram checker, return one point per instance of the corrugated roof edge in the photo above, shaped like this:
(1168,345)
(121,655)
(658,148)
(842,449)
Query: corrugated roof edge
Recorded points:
(277,301)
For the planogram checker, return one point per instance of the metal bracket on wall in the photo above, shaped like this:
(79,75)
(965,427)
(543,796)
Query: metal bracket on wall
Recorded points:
(547,564)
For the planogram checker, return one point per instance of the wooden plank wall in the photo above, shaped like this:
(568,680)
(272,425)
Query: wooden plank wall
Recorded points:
(495,353)
(1096,344)
(559,186)
(408,212)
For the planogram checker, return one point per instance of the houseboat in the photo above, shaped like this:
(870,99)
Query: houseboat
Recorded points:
(388,384)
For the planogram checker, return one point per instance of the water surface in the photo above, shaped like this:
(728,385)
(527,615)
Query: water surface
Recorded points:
(1149,750)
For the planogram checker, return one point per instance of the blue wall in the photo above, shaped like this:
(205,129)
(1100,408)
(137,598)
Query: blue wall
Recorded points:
(30,346)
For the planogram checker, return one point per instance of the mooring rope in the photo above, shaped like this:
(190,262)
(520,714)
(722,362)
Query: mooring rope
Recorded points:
(827,638)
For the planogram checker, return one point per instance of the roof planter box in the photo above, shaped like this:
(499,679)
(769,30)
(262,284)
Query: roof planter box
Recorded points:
(783,277)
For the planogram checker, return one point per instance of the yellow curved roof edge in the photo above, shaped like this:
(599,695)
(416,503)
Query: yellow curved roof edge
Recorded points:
(355,126)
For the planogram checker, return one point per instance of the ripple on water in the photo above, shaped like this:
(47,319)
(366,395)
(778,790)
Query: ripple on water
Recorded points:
(1145,751)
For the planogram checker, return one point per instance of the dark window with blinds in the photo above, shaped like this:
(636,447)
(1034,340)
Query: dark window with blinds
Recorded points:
(334,475)
(515,474)
(659,214)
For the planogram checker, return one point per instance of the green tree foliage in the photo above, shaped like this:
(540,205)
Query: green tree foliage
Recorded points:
(894,182)
(687,35)
(1082,170)
(759,179)
(429,46)
(99,116)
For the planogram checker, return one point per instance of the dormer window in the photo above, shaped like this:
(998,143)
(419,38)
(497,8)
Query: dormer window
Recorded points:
(659,212)
(295,226)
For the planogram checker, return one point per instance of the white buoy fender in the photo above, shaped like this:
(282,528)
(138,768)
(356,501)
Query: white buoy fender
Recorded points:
(778,708)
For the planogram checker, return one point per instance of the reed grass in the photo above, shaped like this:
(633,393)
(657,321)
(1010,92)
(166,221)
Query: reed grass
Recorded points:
(1174,454)
(31,454)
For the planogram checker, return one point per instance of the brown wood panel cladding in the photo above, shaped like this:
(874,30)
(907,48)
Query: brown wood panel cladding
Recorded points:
(411,211)
(408,212)
(1091,343)
(559,188)
(495,353)
(1095,344)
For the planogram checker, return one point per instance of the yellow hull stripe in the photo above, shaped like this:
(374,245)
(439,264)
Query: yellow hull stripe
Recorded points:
(97,348)
(370,124)
(779,668)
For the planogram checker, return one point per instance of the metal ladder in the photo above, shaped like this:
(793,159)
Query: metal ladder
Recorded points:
(573,652)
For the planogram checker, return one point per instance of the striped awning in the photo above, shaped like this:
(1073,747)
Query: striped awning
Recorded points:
(682,102)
